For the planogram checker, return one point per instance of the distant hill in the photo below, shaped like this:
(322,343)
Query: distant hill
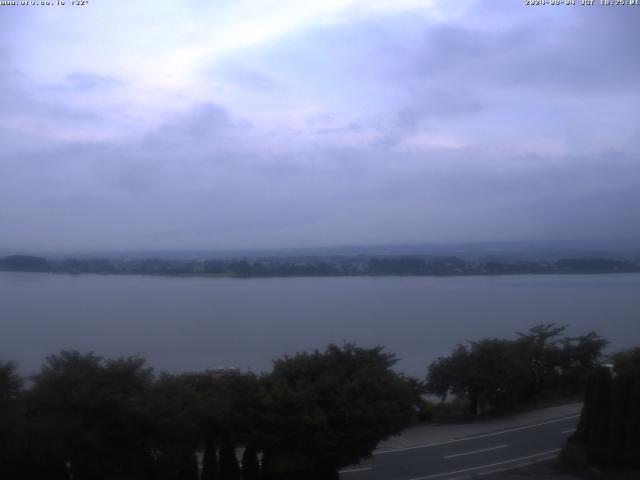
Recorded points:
(321,266)
(24,263)
(534,251)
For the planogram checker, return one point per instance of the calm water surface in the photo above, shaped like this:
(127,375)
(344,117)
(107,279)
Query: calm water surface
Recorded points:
(195,323)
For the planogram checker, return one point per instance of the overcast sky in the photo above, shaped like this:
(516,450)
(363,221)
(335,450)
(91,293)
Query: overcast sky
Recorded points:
(241,124)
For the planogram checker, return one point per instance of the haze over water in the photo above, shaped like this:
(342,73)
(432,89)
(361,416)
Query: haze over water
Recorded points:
(182,324)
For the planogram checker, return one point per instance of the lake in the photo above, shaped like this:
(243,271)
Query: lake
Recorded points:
(184,324)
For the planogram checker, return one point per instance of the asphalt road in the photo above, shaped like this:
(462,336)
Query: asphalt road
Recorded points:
(468,456)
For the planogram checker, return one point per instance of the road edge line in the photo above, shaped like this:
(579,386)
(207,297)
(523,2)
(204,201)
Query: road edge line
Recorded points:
(474,437)
(471,469)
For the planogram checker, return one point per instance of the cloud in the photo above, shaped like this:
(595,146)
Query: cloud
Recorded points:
(186,193)
(359,124)
(89,81)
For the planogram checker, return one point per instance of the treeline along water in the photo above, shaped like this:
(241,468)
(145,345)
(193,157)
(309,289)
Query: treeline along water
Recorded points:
(182,324)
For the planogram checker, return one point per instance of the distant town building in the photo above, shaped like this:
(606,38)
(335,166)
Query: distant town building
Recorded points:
(221,372)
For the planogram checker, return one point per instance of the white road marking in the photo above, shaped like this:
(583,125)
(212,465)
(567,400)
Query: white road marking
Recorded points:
(474,437)
(480,467)
(354,470)
(476,451)
(571,430)
(493,471)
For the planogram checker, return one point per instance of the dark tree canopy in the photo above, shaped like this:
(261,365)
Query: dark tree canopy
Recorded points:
(250,464)
(91,414)
(608,433)
(495,374)
(490,374)
(11,438)
(96,419)
(10,384)
(330,409)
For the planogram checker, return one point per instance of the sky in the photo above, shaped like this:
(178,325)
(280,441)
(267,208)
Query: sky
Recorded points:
(227,124)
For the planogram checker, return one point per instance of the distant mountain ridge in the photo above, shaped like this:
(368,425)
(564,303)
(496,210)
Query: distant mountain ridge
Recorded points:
(470,251)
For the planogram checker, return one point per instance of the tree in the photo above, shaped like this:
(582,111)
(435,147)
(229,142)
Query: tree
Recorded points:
(250,464)
(12,440)
(90,416)
(10,384)
(450,374)
(229,412)
(229,468)
(209,460)
(489,374)
(624,431)
(176,429)
(330,409)
(579,357)
(542,345)
(495,374)
(608,432)
(593,426)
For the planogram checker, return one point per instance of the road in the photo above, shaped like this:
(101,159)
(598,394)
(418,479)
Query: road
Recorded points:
(468,456)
